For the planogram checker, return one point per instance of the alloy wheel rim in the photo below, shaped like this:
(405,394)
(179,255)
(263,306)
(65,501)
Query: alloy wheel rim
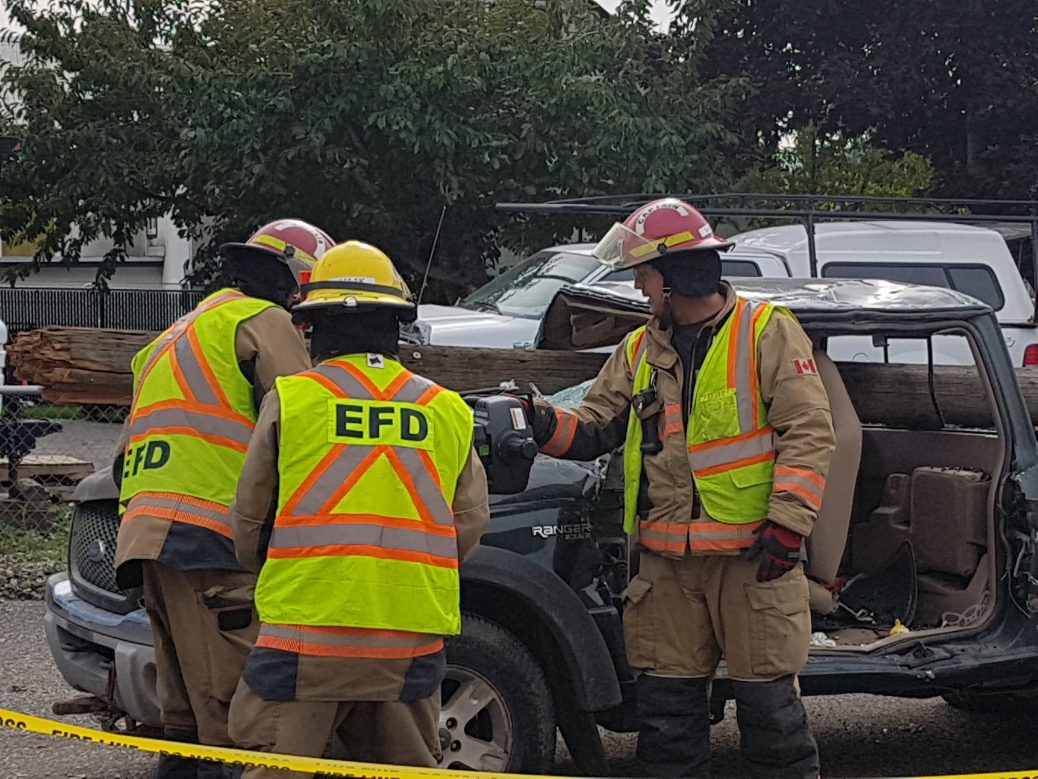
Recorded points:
(475,728)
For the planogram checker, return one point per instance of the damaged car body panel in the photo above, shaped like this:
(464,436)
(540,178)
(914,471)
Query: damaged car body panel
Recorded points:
(931,575)
(998,650)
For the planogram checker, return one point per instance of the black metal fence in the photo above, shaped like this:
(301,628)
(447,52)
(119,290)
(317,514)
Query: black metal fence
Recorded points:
(28,308)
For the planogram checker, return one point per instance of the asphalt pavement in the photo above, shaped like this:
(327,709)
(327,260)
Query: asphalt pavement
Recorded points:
(859,735)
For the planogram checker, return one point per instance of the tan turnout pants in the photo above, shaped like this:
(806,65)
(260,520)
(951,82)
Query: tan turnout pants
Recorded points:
(682,615)
(390,732)
(204,625)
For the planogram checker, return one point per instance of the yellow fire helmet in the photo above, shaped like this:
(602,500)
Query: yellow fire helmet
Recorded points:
(353,276)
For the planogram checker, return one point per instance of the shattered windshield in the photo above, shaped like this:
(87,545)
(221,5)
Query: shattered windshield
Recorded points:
(526,289)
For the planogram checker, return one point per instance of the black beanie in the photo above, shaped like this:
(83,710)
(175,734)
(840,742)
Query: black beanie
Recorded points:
(690,274)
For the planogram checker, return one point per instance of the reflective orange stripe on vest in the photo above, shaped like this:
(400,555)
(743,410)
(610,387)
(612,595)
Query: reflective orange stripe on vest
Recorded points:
(726,454)
(308,526)
(756,444)
(218,426)
(636,351)
(180,508)
(347,642)
(205,412)
(195,378)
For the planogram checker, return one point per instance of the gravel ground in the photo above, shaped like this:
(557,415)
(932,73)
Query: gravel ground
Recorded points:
(860,735)
(30,683)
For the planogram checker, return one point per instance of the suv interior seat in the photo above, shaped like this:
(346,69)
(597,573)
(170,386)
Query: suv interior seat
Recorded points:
(828,539)
(943,513)
(948,528)
(875,540)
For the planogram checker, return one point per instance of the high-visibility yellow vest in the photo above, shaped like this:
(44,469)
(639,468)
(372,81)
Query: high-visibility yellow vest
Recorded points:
(192,416)
(363,557)
(731,446)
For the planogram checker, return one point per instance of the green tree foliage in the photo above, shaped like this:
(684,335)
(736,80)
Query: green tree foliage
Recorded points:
(367,117)
(952,80)
(811,163)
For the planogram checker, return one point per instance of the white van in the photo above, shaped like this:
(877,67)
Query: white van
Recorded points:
(966,258)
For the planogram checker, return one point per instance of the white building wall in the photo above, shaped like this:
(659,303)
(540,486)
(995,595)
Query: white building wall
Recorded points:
(155,261)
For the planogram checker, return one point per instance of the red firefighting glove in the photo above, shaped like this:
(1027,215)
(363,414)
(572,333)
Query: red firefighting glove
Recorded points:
(777,548)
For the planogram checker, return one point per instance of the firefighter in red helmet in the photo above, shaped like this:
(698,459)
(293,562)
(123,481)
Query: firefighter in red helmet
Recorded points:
(727,442)
(195,403)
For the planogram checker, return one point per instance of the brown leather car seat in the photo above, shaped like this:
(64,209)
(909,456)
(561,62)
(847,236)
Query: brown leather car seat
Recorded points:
(828,539)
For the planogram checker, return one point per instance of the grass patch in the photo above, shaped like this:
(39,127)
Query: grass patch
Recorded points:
(112,414)
(28,557)
(46,411)
(37,545)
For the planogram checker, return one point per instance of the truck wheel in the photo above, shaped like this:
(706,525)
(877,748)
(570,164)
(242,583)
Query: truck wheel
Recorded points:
(497,713)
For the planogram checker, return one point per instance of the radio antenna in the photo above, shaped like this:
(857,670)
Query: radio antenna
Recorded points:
(432,253)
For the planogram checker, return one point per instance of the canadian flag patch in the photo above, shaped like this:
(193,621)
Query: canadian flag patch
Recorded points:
(805,367)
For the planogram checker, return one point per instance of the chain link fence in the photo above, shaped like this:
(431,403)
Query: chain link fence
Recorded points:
(45,451)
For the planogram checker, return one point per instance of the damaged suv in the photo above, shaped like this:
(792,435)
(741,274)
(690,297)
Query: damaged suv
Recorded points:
(922,564)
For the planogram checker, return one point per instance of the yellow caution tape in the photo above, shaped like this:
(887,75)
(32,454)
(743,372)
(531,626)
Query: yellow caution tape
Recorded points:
(249,759)
(236,757)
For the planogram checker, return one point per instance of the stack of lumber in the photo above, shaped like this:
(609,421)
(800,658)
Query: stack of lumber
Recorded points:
(78,365)
(87,366)
(90,366)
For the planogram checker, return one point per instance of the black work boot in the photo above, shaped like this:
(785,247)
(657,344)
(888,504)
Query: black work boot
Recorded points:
(176,767)
(674,732)
(775,738)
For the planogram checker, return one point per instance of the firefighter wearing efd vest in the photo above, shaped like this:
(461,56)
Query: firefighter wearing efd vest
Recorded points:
(196,397)
(727,439)
(360,496)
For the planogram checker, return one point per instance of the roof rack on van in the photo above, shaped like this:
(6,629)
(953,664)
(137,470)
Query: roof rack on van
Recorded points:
(810,209)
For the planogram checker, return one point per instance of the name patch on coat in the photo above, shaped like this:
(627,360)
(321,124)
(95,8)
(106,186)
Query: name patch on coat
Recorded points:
(373,422)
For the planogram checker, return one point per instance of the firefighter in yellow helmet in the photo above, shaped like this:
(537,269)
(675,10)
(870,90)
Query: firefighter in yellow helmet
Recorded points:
(727,440)
(195,401)
(360,496)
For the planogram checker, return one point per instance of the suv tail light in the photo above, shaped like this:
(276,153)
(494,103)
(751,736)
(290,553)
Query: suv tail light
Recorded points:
(1031,355)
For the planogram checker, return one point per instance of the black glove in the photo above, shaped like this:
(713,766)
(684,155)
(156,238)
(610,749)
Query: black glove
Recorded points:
(777,548)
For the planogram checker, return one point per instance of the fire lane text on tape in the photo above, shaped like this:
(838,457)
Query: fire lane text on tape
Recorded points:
(242,757)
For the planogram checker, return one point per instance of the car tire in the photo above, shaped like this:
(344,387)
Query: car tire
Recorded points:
(497,712)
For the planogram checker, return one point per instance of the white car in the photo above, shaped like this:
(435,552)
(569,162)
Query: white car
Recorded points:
(506,312)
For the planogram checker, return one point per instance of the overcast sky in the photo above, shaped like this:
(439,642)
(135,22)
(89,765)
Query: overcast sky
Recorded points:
(660,12)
